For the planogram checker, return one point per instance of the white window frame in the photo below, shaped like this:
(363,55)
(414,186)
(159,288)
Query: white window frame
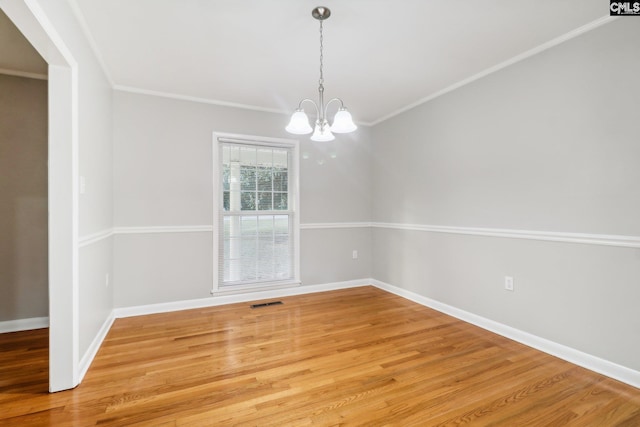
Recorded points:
(220,138)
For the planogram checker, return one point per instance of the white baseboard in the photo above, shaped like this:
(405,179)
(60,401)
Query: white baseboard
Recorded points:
(91,352)
(588,361)
(232,299)
(23,324)
(593,363)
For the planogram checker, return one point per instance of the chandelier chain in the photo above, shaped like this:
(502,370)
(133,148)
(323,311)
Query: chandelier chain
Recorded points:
(321,56)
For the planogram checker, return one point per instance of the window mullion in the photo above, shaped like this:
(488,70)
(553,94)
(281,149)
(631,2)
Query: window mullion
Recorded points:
(254,213)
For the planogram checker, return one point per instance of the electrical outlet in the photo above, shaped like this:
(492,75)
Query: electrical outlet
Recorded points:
(355,254)
(508,283)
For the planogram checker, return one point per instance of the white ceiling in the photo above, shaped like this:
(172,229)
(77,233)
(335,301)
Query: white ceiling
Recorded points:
(380,55)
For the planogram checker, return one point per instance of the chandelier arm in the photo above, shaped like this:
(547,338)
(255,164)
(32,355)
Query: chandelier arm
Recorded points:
(311,101)
(326,107)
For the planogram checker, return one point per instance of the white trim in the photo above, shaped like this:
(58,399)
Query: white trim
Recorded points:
(254,287)
(208,101)
(331,225)
(25,74)
(552,236)
(164,229)
(216,176)
(237,138)
(232,299)
(531,52)
(209,228)
(95,237)
(588,361)
(23,324)
(95,345)
(197,99)
(252,141)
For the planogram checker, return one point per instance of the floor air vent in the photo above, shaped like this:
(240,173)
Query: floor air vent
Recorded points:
(266,304)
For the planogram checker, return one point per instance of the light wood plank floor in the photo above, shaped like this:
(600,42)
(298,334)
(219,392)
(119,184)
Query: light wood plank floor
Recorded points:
(351,357)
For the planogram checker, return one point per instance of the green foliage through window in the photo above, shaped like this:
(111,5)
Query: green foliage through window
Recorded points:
(255,179)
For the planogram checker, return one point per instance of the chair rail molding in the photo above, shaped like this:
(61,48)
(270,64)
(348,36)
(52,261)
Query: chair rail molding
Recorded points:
(550,236)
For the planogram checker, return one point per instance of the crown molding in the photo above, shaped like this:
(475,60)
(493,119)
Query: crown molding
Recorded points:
(529,53)
(558,40)
(208,101)
(200,100)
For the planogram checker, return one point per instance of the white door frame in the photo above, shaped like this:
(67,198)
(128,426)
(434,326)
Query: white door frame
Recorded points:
(31,20)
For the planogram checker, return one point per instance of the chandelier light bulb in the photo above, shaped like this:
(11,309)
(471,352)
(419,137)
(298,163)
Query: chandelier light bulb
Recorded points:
(322,133)
(342,122)
(299,124)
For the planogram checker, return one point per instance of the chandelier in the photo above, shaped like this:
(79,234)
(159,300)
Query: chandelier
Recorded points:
(342,121)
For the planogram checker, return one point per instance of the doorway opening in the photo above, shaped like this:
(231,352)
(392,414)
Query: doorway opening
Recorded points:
(24,287)
(62,204)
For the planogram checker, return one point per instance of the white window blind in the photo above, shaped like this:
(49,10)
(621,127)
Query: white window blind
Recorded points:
(257,231)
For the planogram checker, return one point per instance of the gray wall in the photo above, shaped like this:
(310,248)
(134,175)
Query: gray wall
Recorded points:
(163,177)
(23,198)
(548,144)
(96,204)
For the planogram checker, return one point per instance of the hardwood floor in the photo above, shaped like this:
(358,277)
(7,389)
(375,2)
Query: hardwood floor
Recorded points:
(352,357)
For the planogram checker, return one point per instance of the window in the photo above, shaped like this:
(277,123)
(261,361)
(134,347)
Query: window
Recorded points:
(256,192)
